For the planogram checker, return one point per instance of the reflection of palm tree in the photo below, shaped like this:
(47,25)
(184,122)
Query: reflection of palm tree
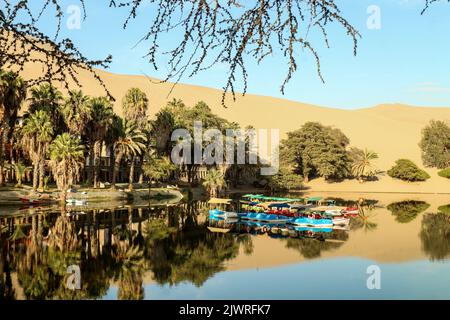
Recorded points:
(247,243)
(435,235)
(130,263)
(363,220)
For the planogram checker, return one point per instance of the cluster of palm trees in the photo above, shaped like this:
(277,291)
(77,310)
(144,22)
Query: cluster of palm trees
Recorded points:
(60,135)
(57,134)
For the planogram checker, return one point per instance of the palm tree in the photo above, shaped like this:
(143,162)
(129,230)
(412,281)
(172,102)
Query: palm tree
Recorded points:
(135,107)
(76,112)
(101,118)
(214,181)
(37,133)
(12,94)
(47,98)
(130,142)
(20,170)
(66,161)
(362,165)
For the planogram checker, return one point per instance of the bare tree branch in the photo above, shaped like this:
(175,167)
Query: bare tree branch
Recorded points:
(23,43)
(228,31)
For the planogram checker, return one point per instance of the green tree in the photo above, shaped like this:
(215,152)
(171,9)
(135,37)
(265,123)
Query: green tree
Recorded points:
(317,150)
(445,173)
(157,169)
(101,119)
(214,181)
(130,142)
(284,180)
(135,108)
(435,145)
(37,133)
(66,161)
(76,112)
(362,163)
(46,97)
(12,94)
(407,170)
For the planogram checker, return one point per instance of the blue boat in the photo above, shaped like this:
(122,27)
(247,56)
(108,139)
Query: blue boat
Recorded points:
(309,222)
(271,218)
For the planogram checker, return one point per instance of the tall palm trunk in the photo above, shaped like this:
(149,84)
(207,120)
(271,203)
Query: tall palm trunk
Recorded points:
(97,154)
(91,163)
(41,174)
(35,175)
(141,173)
(112,162)
(2,157)
(133,165)
(117,162)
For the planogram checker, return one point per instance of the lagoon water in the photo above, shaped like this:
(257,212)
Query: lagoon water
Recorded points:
(167,252)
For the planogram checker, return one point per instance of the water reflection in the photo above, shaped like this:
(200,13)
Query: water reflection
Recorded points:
(129,246)
(407,211)
(435,235)
(110,246)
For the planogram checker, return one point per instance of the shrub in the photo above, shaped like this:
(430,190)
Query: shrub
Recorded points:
(445,173)
(435,145)
(407,170)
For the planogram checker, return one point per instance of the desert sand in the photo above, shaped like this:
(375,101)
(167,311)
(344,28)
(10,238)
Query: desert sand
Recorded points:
(391,130)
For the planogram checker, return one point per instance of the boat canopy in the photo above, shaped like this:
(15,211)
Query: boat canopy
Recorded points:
(314,199)
(219,201)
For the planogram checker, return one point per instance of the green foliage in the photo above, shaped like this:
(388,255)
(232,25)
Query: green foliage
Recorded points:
(435,145)
(317,150)
(158,168)
(445,173)
(284,180)
(66,160)
(407,170)
(214,181)
(445,209)
(406,211)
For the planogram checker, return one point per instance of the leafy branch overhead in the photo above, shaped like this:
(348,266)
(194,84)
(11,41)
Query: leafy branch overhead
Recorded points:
(228,31)
(23,43)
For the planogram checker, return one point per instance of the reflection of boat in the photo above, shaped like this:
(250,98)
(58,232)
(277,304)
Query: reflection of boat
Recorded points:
(219,230)
(271,218)
(76,202)
(341,221)
(222,214)
(310,222)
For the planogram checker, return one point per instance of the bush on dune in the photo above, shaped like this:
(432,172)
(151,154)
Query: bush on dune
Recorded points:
(445,173)
(407,170)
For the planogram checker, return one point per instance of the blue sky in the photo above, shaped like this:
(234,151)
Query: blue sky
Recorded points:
(406,61)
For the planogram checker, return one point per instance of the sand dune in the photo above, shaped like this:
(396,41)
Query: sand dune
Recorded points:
(392,130)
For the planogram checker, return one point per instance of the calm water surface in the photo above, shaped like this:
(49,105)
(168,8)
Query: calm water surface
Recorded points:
(167,252)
